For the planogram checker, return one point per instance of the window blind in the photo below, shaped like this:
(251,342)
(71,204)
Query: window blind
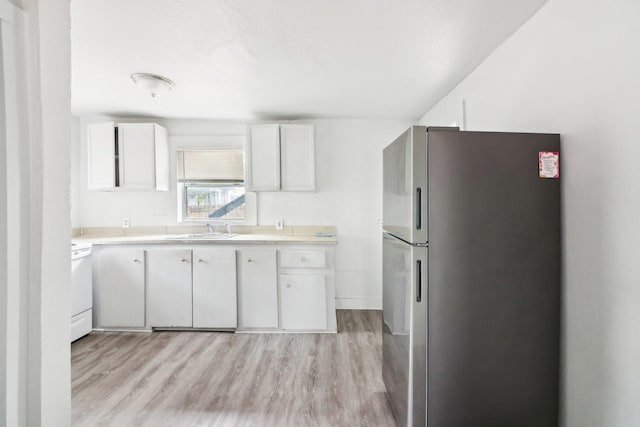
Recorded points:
(223,165)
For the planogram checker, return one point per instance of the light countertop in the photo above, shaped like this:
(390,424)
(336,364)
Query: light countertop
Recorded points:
(257,235)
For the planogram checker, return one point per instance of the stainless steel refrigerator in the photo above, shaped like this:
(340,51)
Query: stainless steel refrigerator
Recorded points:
(471,278)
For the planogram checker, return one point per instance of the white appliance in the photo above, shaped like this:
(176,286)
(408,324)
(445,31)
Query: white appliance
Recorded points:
(81,290)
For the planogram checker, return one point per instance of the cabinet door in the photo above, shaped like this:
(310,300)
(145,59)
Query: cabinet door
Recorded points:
(214,288)
(303,301)
(161,158)
(169,288)
(297,154)
(257,289)
(136,154)
(101,150)
(118,288)
(262,169)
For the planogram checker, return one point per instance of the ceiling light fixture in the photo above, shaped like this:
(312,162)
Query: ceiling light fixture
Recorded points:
(154,84)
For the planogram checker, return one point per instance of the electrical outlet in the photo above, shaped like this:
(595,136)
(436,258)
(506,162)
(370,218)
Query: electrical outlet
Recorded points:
(279,224)
(125,222)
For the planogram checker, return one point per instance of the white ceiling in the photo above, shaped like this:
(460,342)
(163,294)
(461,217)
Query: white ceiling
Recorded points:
(282,59)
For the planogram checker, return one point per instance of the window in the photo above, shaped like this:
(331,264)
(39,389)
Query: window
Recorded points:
(211,185)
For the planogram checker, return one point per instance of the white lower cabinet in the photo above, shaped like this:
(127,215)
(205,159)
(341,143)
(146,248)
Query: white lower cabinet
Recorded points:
(257,289)
(118,288)
(214,288)
(169,295)
(303,301)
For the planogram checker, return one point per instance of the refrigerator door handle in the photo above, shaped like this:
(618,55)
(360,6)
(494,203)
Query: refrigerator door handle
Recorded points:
(418,208)
(419,281)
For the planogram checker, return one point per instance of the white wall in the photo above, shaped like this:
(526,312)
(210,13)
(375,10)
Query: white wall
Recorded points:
(36,353)
(75,172)
(348,194)
(13,272)
(49,133)
(574,69)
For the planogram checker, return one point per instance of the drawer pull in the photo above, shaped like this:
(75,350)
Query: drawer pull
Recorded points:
(200,260)
(249,260)
(183,260)
(78,320)
(136,260)
(303,258)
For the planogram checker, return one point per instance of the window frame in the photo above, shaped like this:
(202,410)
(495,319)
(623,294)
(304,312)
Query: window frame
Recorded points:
(204,143)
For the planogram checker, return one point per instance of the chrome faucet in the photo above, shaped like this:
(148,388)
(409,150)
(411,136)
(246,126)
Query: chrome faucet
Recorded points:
(212,228)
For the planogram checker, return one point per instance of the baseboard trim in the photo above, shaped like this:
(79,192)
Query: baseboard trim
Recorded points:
(358,303)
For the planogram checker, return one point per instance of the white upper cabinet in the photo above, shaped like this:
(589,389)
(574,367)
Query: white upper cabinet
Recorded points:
(129,156)
(297,157)
(280,158)
(101,147)
(161,141)
(143,156)
(263,158)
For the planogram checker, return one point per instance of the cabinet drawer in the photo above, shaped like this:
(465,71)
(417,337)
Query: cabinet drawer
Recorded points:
(81,324)
(302,258)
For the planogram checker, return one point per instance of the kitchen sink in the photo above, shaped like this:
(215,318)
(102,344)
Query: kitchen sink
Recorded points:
(202,236)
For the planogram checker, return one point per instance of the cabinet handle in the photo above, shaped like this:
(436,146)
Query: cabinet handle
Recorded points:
(200,260)
(249,260)
(418,208)
(136,260)
(419,281)
(183,260)
(78,320)
(288,285)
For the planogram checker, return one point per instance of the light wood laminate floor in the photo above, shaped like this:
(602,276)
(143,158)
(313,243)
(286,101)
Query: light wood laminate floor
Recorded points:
(222,379)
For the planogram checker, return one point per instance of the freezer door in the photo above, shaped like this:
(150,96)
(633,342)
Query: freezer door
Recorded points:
(404,329)
(405,186)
